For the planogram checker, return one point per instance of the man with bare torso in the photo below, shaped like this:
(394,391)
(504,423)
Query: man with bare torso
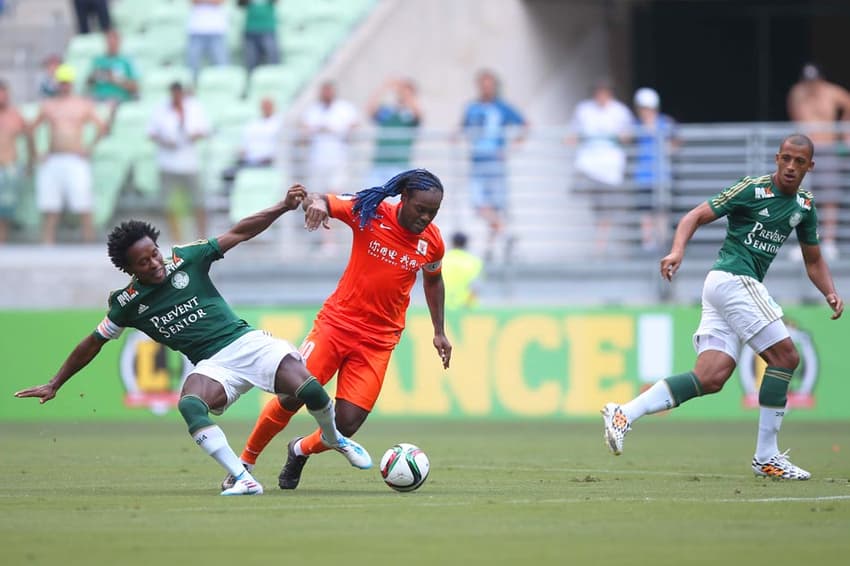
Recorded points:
(12,125)
(64,176)
(818,104)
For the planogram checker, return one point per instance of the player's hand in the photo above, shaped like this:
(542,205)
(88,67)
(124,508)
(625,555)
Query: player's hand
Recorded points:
(444,349)
(294,196)
(316,215)
(670,265)
(44,392)
(836,304)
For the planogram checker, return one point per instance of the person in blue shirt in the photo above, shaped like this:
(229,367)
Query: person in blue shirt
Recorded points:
(486,123)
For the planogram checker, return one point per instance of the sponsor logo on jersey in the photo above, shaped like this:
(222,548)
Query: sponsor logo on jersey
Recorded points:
(127,295)
(764,212)
(805,203)
(422,247)
(764,192)
(180,280)
(795,219)
(142,308)
(765,240)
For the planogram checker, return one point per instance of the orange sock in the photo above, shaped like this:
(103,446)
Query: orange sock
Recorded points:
(273,419)
(313,444)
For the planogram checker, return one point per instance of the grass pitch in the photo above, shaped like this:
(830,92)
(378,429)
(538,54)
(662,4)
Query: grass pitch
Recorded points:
(533,493)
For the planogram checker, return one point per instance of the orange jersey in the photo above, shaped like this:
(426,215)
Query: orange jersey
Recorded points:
(372,296)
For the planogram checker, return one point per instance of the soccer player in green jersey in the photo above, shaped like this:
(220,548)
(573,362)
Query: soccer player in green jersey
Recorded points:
(736,306)
(175,303)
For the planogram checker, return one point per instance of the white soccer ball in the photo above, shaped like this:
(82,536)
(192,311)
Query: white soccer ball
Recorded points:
(405,467)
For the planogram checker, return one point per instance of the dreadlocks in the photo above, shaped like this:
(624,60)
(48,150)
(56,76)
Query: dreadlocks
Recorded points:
(366,201)
(124,236)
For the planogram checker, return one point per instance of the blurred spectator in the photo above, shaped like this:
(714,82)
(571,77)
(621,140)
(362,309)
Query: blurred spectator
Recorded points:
(176,128)
(113,77)
(260,39)
(64,176)
(12,127)
(260,141)
(601,124)
(817,104)
(653,175)
(461,272)
(207,34)
(396,119)
(85,9)
(47,85)
(485,121)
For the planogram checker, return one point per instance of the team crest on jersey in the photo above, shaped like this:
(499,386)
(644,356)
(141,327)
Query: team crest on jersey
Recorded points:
(180,280)
(422,247)
(795,219)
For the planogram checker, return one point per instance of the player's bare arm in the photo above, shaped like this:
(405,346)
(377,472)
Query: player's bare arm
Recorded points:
(435,296)
(819,274)
(316,213)
(696,217)
(79,358)
(252,225)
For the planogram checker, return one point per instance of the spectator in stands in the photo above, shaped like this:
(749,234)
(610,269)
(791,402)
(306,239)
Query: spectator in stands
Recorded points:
(47,85)
(817,104)
(600,125)
(260,45)
(65,174)
(207,34)
(260,141)
(327,126)
(176,128)
(653,176)
(461,272)
(12,127)
(485,121)
(113,77)
(85,9)
(397,120)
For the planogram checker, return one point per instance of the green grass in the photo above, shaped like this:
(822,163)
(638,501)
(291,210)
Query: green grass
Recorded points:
(499,493)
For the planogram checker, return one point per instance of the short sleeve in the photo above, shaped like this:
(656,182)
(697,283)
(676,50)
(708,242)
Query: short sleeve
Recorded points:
(729,199)
(435,266)
(108,329)
(341,207)
(807,229)
(511,116)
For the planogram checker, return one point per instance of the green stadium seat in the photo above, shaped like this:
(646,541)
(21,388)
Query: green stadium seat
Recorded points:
(233,115)
(155,82)
(221,83)
(85,47)
(145,170)
(110,165)
(279,82)
(131,119)
(254,189)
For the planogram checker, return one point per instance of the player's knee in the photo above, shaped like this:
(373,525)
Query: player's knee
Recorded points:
(195,412)
(713,381)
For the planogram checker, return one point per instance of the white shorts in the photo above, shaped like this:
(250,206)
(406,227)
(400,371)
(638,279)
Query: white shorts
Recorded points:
(250,361)
(64,177)
(736,309)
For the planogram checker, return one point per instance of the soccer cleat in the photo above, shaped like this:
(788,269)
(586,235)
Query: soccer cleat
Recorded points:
(616,427)
(356,454)
(229,480)
(245,485)
(780,467)
(290,474)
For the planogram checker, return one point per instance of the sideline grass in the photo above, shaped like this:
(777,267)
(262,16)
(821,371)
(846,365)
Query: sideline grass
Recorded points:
(499,493)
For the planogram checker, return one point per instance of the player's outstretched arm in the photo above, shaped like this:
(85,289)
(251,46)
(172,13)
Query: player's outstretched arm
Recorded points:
(696,217)
(76,360)
(435,296)
(252,225)
(819,274)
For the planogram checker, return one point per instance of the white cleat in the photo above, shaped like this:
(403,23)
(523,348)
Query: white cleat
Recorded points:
(780,467)
(230,480)
(354,453)
(245,485)
(616,427)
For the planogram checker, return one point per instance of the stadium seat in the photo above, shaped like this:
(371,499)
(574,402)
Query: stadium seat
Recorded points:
(254,190)
(110,165)
(145,170)
(226,82)
(233,115)
(279,82)
(131,119)
(155,82)
(85,47)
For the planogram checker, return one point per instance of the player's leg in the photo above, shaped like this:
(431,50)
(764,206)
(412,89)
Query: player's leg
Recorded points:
(199,395)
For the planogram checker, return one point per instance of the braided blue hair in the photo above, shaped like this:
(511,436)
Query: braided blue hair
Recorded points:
(366,201)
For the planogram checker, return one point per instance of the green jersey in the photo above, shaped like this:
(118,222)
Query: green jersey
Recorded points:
(185,312)
(760,219)
(120,68)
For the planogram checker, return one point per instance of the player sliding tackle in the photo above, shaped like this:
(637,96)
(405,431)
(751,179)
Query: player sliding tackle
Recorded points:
(736,306)
(174,302)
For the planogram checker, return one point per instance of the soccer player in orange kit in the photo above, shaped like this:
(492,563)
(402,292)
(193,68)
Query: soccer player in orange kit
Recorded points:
(360,324)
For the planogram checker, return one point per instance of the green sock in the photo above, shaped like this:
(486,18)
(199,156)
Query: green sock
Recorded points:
(313,394)
(774,387)
(683,387)
(195,412)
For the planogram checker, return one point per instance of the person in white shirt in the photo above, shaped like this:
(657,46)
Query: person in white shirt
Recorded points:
(600,126)
(206,29)
(260,141)
(176,128)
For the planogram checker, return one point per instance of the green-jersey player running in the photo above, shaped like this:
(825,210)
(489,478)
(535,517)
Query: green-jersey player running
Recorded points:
(736,306)
(175,303)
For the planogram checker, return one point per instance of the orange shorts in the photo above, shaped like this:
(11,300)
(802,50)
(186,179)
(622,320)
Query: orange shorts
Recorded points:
(360,367)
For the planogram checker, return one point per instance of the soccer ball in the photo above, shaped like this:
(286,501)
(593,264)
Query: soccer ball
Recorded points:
(405,467)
